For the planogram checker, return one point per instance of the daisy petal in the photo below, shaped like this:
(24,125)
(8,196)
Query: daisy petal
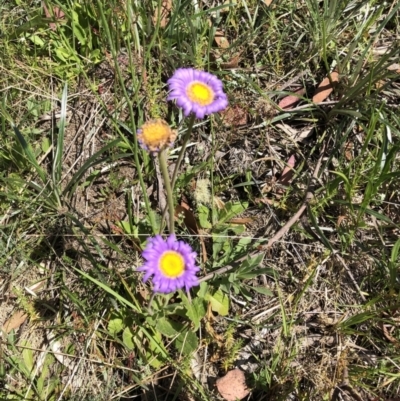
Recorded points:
(197,92)
(171,264)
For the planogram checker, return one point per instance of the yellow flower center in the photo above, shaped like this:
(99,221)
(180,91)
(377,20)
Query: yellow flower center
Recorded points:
(199,92)
(155,133)
(172,264)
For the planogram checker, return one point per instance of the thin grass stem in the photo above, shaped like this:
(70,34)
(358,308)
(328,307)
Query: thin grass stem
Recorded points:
(183,148)
(131,115)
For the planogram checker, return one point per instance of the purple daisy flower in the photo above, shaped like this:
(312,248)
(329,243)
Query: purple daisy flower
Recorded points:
(197,92)
(172,264)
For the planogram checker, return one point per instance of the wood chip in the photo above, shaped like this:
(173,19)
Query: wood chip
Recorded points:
(394,67)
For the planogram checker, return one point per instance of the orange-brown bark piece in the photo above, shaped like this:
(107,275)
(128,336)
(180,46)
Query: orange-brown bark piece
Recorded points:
(57,12)
(288,102)
(166,6)
(325,88)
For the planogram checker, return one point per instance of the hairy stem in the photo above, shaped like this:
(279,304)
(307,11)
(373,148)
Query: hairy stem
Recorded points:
(178,163)
(168,189)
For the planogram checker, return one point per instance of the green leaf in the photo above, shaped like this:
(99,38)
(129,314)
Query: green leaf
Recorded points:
(320,233)
(46,144)
(153,360)
(29,154)
(394,263)
(248,295)
(167,327)
(62,53)
(251,263)
(77,29)
(238,228)
(263,290)
(357,319)
(127,338)
(95,56)
(195,310)
(351,113)
(218,242)
(202,292)
(219,302)
(395,252)
(115,326)
(203,213)
(248,268)
(231,210)
(154,356)
(187,342)
(27,355)
(36,40)
(91,162)
(255,273)
(106,288)
(374,213)
(45,383)
(126,226)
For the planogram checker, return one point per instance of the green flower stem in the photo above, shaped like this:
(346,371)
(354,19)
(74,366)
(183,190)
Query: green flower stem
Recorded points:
(168,189)
(183,148)
(178,163)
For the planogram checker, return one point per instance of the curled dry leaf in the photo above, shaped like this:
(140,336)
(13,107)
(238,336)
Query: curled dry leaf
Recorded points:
(288,102)
(325,88)
(190,222)
(348,150)
(288,172)
(241,220)
(56,347)
(188,217)
(340,220)
(266,201)
(232,386)
(232,63)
